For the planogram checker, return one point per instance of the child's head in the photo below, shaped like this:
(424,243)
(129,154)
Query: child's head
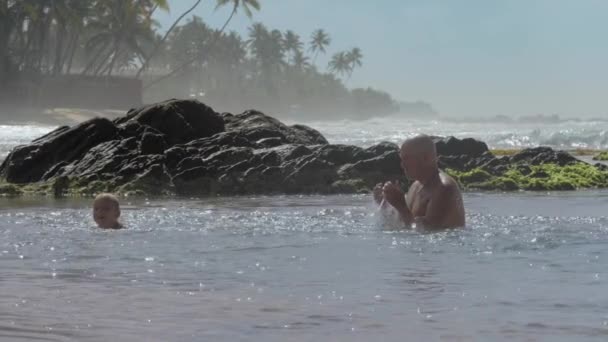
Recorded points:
(106,211)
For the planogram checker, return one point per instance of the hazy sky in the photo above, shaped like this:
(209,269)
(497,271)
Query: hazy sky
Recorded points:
(466,57)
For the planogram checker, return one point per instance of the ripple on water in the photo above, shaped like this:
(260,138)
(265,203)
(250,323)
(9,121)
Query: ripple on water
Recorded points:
(323,266)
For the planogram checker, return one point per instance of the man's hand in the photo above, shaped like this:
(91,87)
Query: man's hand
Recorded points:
(378,196)
(394,196)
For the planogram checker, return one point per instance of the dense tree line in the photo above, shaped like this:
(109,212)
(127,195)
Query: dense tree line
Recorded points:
(267,68)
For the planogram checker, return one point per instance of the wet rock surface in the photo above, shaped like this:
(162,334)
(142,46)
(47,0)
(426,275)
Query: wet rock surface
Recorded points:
(183,147)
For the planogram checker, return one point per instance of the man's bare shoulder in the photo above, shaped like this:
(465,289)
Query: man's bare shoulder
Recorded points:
(448,184)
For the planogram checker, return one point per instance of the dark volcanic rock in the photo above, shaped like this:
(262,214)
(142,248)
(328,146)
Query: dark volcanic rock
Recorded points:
(186,148)
(151,143)
(381,148)
(270,142)
(303,133)
(456,147)
(543,155)
(467,162)
(27,164)
(256,126)
(180,121)
(235,139)
(102,161)
(375,170)
(342,154)
(313,175)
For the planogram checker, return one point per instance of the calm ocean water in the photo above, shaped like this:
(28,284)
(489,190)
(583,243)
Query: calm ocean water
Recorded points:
(528,266)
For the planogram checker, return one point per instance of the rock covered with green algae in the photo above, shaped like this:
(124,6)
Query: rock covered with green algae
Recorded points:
(603,156)
(543,177)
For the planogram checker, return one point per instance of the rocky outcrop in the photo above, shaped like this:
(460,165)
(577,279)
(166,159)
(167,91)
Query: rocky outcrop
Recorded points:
(257,127)
(183,147)
(27,164)
(178,121)
(535,169)
(456,147)
(602,156)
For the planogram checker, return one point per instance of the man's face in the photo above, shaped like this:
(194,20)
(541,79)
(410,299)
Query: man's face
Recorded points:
(411,163)
(105,213)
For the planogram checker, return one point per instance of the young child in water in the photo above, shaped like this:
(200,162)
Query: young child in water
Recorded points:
(106,211)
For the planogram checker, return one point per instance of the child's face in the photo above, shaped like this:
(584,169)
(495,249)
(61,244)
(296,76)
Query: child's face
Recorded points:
(106,213)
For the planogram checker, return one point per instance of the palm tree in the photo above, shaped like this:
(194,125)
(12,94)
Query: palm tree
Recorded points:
(257,34)
(163,4)
(69,17)
(78,14)
(152,5)
(17,26)
(291,42)
(236,4)
(354,57)
(275,47)
(318,42)
(35,14)
(43,35)
(6,25)
(339,64)
(232,51)
(266,46)
(300,62)
(121,26)
(189,43)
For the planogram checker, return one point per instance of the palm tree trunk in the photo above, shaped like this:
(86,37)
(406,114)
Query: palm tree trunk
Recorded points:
(73,47)
(152,12)
(114,58)
(183,65)
(228,20)
(162,41)
(3,40)
(59,50)
(95,58)
(45,28)
(25,61)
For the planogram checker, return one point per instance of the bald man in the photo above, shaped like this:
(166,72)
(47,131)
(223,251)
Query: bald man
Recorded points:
(434,200)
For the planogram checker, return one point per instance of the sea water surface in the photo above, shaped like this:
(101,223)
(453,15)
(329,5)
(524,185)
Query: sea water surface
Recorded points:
(528,266)
(567,134)
(307,268)
(573,134)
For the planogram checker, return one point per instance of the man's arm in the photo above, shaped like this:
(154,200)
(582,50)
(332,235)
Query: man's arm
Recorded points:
(406,215)
(395,197)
